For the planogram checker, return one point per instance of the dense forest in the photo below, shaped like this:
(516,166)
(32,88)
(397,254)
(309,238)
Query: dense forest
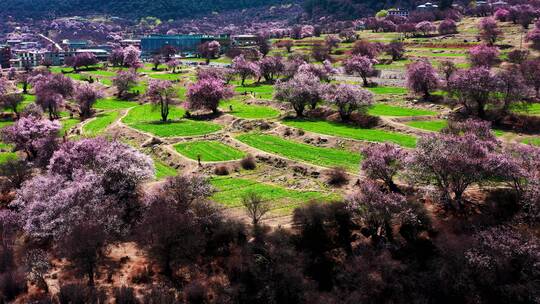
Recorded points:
(126,8)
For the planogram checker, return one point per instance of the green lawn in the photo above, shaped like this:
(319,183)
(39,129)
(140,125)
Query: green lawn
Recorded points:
(163,171)
(230,192)
(147,119)
(430,125)
(209,151)
(388,90)
(326,157)
(113,103)
(347,131)
(100,123)
(380,109)
(243,110)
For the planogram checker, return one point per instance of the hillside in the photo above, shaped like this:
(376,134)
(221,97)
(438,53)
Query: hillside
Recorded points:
(164,9)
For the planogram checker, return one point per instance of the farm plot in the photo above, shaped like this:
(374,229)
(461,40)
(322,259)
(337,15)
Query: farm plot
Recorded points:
(209,151)
(232,190)
(263,91)
(380,109)
(146,118)
(163,171)
(430,125)
(100,123)
(325,157)
(388,90)
(242,110)
(346,131)
(113,103)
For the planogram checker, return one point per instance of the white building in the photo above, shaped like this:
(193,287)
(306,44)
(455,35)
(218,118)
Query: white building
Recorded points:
(398,12)
(428,6)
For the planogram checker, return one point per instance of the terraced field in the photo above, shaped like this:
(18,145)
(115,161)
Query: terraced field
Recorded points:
(146,118)
(242,110)
(325,157)
(100,123)
(259,91)
(535,141)
(380,109)
(163,171)
(113,103)
(430,125)
(388,90)
(232,190)
(346,131)
(209,151)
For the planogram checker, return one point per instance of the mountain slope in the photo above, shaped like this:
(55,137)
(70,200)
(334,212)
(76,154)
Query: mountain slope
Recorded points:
(164,9)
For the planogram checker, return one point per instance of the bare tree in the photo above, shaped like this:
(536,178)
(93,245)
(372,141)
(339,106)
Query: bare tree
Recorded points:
(256,207)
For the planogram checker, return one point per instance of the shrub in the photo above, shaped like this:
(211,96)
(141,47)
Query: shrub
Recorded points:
(337,177)
(518,56)
(196,293)
(248,162)
(80,293)
(12,284)
(222,170)
(125,295)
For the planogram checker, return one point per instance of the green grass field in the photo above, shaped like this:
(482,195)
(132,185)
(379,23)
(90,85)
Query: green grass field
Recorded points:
(325,157)
(102,73)
(113,103)
(528,109)
(169,77)
(230,192)
(439,125)
(146,118)
(243,110)
(210,151)
(430,125)
(5,123)
(67,124)
(100,123)
(5,156)
(380,109)
(535,141)
(263,91)
(163,171)
(388,90)
(346,131)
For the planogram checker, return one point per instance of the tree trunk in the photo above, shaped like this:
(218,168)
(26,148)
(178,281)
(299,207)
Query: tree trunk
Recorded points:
(393,187)
(299,111)
(164,110)
(90,274)
(364,78)
(481,110)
